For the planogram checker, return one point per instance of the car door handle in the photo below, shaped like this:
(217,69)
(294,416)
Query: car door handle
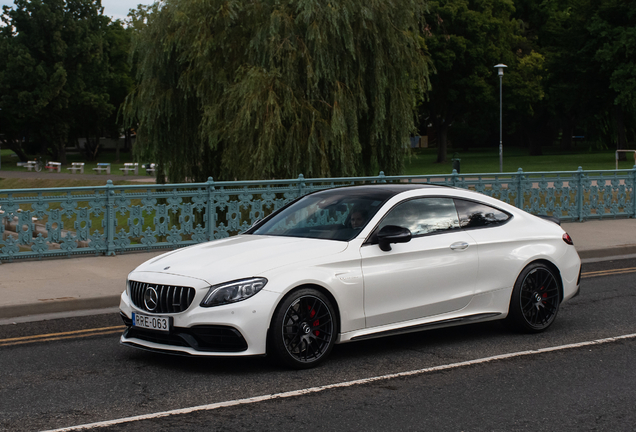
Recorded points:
(459,246)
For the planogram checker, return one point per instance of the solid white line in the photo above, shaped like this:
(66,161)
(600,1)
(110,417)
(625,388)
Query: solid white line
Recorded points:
(302,392)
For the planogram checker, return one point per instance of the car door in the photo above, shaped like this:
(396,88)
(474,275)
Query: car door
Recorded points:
(432,274)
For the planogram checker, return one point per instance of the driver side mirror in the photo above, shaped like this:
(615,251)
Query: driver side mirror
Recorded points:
(393,234)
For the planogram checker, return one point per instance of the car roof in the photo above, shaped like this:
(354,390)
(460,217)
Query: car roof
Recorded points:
(385,190)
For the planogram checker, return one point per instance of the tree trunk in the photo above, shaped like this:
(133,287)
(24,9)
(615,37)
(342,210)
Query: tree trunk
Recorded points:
(62,154)
(621,144)
(127,140)
(534,138)
(567,131)
(17,149)
(441,130)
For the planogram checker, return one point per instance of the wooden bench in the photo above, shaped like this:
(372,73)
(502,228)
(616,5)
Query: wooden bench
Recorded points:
(150,168)
(102,167)
(76,166)
(54,166)
(130,167)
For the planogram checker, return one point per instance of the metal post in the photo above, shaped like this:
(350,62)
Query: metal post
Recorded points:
(500,71)
(520,197)
(301,185)
(111,221)
(500,125)
(210,224)
(579,193)
(634,189)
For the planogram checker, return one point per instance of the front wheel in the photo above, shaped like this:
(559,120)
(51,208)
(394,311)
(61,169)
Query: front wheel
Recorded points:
(535,299)
(38,166)
(303,329)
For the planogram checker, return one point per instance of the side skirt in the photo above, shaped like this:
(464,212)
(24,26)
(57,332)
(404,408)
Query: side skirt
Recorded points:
(443,323)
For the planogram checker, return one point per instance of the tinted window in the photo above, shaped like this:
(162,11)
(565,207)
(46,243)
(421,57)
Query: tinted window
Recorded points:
(424,216)
(336,214)
(473,214)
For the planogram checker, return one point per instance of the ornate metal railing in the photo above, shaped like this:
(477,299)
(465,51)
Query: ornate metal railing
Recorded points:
(112,219)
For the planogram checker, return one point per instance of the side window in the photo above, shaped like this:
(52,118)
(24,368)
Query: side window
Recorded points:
(473,214)
(423,216)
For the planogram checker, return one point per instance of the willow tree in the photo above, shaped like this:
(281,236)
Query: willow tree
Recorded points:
(270,89)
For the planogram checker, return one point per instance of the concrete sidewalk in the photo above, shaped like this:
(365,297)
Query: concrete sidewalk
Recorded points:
(86,283)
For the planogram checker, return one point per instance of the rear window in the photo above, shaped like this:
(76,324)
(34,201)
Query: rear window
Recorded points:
(474,215)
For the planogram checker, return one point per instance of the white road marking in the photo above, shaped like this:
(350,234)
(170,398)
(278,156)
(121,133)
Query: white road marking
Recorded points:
(310,390)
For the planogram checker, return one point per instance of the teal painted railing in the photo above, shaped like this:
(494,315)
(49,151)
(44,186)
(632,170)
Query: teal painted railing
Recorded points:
(110,219)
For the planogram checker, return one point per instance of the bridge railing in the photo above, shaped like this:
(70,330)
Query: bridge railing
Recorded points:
(36,223)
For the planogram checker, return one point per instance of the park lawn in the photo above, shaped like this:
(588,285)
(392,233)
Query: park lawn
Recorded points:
(15,183)
(422,161)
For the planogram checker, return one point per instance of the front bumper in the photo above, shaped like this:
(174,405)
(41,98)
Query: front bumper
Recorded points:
(238,329)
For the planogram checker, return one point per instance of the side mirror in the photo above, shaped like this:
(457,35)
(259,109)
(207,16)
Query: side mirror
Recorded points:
(393,234)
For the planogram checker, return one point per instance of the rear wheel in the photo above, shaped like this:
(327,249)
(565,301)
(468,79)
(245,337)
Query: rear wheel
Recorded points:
(303,329)
(535,299)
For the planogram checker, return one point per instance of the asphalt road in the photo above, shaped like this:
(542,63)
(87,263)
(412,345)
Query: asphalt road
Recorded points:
(68,372)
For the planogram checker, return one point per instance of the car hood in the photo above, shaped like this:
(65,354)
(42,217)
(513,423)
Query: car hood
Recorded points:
(240,256)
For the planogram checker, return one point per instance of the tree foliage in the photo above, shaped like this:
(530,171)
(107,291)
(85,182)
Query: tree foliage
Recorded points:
(56,81)
(466,38)
(267,89)
(589,73)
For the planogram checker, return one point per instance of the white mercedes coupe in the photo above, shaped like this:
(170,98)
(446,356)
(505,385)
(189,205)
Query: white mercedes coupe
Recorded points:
(348,264)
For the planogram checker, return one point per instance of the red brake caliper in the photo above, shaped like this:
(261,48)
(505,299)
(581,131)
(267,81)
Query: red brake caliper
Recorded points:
(312,313)
(544,295)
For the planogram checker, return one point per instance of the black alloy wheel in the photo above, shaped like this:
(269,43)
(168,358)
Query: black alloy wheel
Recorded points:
(535,299)
(303,329)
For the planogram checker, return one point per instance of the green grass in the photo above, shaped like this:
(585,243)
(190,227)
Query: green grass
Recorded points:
(14,183)
(422,161)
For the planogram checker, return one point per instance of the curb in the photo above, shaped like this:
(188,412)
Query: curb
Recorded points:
(615,251)
(71,305)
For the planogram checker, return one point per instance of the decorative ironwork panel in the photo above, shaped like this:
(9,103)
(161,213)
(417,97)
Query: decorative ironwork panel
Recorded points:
(36,223)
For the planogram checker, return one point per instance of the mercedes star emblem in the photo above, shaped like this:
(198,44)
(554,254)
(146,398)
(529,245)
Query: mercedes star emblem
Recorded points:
(151,299)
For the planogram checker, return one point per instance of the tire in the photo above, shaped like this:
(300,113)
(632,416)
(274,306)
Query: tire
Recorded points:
(38,167)
(303,329)
(535,299)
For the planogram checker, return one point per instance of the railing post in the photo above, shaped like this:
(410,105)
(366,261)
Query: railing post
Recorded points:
(211,211)
(634,189)
(579,193)
(110,218)
(454,178)
(301,185)
(520,189)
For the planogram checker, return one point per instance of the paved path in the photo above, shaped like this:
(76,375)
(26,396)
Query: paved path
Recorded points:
(46,175)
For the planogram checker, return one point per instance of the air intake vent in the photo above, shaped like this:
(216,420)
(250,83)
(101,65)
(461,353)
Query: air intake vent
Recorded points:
(160,299)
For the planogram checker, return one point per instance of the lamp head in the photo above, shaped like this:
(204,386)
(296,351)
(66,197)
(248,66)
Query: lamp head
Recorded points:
(500,67)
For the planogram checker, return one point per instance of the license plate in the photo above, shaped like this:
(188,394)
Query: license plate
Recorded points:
(151,322)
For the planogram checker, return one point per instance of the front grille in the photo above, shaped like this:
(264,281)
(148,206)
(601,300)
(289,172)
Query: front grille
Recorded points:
(201,337)
(169,299)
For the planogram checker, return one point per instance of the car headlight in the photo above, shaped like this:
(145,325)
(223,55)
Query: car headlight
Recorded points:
(232,292)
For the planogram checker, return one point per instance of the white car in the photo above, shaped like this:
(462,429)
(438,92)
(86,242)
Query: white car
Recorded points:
(348,264)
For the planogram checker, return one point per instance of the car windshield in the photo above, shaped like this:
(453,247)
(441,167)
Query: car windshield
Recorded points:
(336,214)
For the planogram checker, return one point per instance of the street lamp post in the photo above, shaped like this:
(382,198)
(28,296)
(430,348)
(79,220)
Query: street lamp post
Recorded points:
(500,70)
